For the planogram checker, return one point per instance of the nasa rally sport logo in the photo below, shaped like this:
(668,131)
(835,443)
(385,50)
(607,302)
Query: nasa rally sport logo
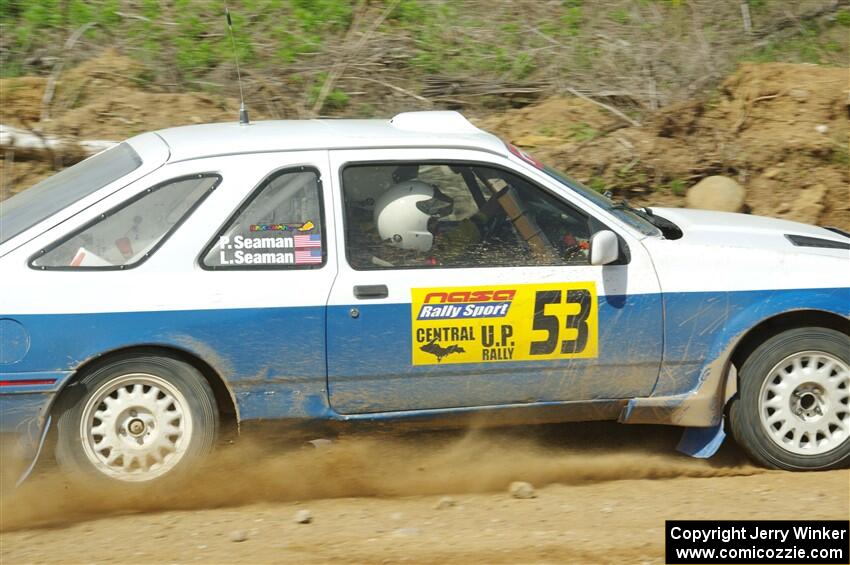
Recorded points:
(466,304)
(462,304)
(485,324)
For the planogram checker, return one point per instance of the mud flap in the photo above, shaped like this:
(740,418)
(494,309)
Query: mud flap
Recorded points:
(37,452)
(702,442)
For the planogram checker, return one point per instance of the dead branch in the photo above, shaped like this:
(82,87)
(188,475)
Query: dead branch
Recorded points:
(787,22)
(57,69)
(32,144)
(454,89)
(611,109)
(394,87)
(339,68)
(768,97)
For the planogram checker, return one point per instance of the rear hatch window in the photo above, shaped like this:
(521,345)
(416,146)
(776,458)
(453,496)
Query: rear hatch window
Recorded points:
(27,208)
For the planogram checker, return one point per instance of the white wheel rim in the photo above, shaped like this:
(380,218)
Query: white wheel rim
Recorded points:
(136,427)
(803,403)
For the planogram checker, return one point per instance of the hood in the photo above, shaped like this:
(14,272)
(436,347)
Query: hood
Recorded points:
(744,230)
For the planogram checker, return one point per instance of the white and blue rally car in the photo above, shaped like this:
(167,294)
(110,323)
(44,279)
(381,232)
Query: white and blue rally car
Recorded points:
(414,269)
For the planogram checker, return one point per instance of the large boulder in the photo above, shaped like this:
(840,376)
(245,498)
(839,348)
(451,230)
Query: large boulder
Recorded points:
(716,193)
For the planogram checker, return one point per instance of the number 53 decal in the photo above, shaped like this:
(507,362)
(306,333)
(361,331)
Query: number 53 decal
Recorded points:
(565,322)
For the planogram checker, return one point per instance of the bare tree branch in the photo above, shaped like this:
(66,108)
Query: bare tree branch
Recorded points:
(57,69)
(339,68)
(611,109)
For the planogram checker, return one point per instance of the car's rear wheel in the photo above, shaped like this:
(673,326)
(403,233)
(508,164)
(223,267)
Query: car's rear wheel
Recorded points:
(137,420)
(792,409)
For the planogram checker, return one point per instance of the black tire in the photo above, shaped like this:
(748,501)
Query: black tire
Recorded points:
(745,420)
(166,379)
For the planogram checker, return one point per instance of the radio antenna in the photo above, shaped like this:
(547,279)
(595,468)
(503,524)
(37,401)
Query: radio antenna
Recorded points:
(243,113)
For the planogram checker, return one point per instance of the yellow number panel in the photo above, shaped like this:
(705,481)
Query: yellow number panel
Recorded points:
(488,324)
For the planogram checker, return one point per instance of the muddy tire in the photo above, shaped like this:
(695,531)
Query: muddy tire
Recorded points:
(792,407)
(138,420)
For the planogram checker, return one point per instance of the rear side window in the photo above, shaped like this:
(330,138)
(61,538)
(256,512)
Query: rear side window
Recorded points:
(279,227)
(127,235)
(26,209)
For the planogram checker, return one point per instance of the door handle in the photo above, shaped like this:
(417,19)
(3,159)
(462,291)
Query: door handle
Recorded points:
(370,291)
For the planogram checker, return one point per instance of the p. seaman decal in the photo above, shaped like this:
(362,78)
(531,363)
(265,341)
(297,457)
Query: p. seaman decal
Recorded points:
(275,249)
(484,324)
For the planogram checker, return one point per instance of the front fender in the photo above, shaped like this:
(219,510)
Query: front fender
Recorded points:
(771,304)
(702,331)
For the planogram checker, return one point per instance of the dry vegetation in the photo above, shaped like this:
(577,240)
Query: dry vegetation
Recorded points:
(301,57)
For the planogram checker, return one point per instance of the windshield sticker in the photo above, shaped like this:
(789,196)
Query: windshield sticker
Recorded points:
(301,227)
(484,324)
(277,249)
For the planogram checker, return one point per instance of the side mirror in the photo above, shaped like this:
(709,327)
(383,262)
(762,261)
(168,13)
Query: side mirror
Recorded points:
(604,248)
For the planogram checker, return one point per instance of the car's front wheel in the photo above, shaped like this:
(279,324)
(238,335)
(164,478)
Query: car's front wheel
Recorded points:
(138,419)
(792,408)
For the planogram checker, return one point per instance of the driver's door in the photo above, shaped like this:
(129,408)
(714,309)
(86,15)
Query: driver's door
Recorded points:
(503,322)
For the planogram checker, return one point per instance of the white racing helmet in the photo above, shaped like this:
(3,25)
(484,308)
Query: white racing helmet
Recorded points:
(402,214)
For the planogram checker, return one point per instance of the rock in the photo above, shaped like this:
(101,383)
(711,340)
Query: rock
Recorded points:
(303,517)
(445,502)
(320,443)
(238,535)
(799,94)
(771,172)
(716,193)
(783,208)
(821,128)
(396,516)
(519,489)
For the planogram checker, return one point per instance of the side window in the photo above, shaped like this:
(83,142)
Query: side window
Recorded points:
(425,215)
(279,227)
(127,235)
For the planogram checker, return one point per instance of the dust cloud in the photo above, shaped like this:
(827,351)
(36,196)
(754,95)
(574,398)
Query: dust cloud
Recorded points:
(475,461)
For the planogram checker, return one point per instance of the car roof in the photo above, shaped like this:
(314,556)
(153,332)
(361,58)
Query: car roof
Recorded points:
(409,129)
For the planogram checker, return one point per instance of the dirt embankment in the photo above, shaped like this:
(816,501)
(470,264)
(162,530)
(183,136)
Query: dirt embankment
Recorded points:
(105,98)
(780,130)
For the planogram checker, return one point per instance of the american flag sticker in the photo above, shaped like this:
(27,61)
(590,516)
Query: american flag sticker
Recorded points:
(308,256)
(312,240)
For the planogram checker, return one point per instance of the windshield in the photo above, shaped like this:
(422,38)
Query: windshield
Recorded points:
(622,212)
(27,208)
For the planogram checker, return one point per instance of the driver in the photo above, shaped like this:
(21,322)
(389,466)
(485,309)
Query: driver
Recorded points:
(407,218)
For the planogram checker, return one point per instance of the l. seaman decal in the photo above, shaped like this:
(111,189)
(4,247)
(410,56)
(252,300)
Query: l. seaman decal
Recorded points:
(483,324)
(274,249)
